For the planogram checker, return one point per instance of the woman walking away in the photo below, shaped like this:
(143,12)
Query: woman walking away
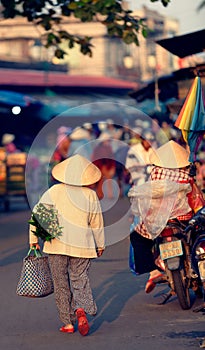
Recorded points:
(81,239)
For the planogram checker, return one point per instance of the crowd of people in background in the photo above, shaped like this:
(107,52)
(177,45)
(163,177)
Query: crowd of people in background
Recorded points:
(115,150)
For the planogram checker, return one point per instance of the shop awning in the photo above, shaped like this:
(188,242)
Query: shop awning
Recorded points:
(185,45)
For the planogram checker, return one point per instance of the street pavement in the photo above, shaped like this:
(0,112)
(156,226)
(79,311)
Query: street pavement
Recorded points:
(127,318)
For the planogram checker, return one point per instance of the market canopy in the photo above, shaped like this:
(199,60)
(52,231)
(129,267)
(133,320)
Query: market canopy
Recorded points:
(185,45)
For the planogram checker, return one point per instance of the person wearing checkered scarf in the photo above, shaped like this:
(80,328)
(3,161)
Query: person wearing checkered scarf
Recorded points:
(170,166)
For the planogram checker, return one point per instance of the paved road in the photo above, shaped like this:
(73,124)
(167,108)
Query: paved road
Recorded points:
(127,317)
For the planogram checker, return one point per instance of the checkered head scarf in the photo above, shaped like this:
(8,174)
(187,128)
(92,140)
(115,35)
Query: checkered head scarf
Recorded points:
(180,175)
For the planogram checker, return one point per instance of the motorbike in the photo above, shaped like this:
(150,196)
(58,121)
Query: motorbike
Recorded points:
(181,249)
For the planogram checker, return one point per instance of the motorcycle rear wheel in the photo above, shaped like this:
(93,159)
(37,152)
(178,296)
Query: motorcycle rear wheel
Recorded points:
(181,289)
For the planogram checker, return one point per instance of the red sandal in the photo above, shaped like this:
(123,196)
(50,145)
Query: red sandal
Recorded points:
(151,283)
(83,325)
(67,330)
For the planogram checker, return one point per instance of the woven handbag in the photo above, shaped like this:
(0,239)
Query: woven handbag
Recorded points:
(35,279)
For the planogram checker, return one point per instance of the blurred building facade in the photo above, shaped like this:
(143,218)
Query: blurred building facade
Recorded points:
(21,47)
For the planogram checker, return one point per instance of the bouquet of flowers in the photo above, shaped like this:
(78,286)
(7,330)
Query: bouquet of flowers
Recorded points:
(45,219)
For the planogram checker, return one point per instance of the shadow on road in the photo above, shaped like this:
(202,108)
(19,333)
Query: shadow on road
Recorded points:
(12,257)
(112,296)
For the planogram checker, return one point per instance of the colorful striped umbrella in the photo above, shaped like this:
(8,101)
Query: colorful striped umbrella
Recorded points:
(191,119)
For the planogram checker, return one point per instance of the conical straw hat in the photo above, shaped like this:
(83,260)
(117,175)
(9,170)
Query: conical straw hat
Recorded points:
(77,171)
(79,134)
(170,155)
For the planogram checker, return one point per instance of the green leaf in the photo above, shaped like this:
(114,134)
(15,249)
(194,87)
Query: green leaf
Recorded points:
(109,3)
(52,39)
(64,35)
(128,37)
(164,2)
(71,44)
(83,14)
(72,5)
(59,53)
(136,41)
(111,31)
(119,31)
(144,32)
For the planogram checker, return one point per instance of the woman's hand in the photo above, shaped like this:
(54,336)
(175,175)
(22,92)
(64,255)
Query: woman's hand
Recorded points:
(35,245)
(99,251)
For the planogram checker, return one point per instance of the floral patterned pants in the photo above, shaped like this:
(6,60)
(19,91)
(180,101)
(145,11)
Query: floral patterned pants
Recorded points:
(71,286)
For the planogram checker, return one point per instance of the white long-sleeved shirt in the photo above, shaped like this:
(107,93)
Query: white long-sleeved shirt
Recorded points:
(136,161)
(81,218)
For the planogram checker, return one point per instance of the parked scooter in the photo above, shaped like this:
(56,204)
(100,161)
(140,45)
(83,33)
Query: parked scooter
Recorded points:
(196,229)
(182,249)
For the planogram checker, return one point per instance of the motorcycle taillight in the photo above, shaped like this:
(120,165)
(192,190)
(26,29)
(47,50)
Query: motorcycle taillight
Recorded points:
(168,231)
(200,249)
